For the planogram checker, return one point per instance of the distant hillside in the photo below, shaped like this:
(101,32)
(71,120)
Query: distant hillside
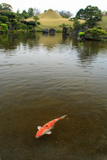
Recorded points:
(50,19)
(49,14)
(103,23)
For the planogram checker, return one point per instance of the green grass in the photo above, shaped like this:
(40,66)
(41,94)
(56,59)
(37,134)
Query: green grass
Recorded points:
(103,23)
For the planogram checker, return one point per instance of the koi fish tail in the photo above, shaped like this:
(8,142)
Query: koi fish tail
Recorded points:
(63,117)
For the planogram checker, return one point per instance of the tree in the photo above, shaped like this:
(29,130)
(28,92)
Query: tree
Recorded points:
(10,15)
(91,15)
(76,25)
(65,14)
(19,15)
(36,11)
(80,14)
(3,19)
(5,7)
(35,18)
(30,12)
(24,14)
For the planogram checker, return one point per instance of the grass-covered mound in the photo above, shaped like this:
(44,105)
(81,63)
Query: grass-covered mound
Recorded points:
(49,14)
(50,19)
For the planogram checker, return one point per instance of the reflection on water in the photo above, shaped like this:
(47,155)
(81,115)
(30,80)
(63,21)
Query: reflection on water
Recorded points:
(43,77)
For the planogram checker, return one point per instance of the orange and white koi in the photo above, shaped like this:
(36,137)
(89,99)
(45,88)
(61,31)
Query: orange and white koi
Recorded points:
(46,129)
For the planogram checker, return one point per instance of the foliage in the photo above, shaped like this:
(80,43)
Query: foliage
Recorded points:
(9,14)
(99,27)
(5,7)
(38,23)
(73,19)
(32,23)
(91,14)
(35,18)
(80,14)
(8,24)
(3,28)
(64,25)
(76,25)
(65,14)
(23,26)
(30,12)
(24,14)
(29,26)
(81,34)
(3,19)
(95,33)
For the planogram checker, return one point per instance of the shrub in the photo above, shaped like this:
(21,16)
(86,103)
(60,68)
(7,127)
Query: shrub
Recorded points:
(32,23)
(81,34)
(3,19)
(8,24)
(3,28)
(36,18)
(99,27)
(29,26)
(95,33)
(76,25)
(64,25)
(10,15)
(38,23)
(23,26)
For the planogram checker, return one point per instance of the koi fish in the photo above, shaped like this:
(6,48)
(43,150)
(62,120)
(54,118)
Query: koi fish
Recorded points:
(46,129)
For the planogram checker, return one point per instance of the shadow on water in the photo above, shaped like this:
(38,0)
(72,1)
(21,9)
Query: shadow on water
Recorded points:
(47,77)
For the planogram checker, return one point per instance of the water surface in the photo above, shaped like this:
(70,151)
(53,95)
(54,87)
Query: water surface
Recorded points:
(43,77)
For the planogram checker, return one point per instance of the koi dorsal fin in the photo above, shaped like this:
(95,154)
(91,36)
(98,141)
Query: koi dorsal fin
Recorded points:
(38,127)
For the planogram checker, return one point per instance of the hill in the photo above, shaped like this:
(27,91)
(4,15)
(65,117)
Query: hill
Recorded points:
(50,19)
(49,14)
(103,23)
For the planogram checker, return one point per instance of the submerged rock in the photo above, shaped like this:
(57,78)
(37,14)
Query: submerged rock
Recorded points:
(52,31)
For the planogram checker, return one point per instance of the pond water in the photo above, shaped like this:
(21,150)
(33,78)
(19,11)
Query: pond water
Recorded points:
(43,77)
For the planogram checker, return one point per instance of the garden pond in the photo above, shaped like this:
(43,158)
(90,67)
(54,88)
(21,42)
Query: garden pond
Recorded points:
(43,77)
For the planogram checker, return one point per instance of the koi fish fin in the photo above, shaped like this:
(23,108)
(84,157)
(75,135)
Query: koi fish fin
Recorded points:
(38,127)
(63,117)
(49,132)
